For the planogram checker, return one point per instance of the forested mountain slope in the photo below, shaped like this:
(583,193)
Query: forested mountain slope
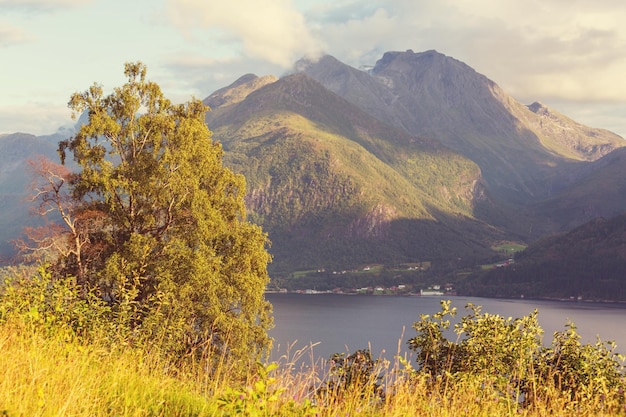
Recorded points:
(333,185)
(418,158)
(588,263)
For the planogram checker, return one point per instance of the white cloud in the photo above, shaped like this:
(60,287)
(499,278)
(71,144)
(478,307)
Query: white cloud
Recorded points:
(574,50)
(187,74)
(355,39)
(40,5)
(567,49)
(11,35)
(571,49)
(555,51)
(37,118)
(272,30)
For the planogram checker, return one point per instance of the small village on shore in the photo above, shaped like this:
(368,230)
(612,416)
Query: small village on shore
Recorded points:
(402,289)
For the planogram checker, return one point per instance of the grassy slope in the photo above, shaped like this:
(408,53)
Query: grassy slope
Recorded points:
(52,377)
(321,170)
(62,376)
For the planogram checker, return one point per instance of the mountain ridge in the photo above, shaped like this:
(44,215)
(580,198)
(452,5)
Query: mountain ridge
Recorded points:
(322,131)
(431,95)
(420,158)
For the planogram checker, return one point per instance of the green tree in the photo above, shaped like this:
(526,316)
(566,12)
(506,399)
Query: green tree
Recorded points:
(172,248)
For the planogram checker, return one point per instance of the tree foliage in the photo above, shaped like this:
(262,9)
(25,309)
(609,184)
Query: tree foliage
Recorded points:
(157,225)
(508,356)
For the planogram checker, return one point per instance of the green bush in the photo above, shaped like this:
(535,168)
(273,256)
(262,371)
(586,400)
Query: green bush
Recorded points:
(48,306)
(52,306)
(355,375)
(507,356)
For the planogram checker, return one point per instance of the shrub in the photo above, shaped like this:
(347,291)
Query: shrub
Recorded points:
(51,306)
(356,375)
(507,357)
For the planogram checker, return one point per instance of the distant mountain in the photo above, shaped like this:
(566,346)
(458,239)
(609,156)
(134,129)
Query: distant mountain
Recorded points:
(593,190)
(431,95)
(238,90)
(15,150)
(587,262)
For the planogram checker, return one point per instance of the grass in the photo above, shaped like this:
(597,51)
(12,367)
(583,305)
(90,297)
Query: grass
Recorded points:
(510,247)
(300,274)
(57,376)
(54,363)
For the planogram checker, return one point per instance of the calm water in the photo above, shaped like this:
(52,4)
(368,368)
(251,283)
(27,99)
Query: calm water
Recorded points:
(342,323)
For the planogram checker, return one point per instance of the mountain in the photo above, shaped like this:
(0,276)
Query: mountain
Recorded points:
(15,150)
(238,90)
(526,159)
(587,262)
(431,95)
(335,187)
(420,158)
(594,190)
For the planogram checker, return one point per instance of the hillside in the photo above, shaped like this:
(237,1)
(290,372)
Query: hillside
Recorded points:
(596,189)
(335,187)
(587,262)
(431,95)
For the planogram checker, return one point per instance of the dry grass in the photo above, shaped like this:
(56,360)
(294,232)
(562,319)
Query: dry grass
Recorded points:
(61,377)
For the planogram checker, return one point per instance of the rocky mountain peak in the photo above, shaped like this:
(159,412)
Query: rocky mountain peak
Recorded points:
(238,90)
(431,95)
(539,108)
(302,65)
(430,66)
(390,57)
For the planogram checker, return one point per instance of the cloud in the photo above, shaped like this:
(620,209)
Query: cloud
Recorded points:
(11,35)
(357,40)
(570,49)
(272,30)
(558,51)
(563,49)
(339,12)
(188,74)
(37,118)
(545,48)
(40,5)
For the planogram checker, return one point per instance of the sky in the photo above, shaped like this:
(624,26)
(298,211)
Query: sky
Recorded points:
(567,54)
